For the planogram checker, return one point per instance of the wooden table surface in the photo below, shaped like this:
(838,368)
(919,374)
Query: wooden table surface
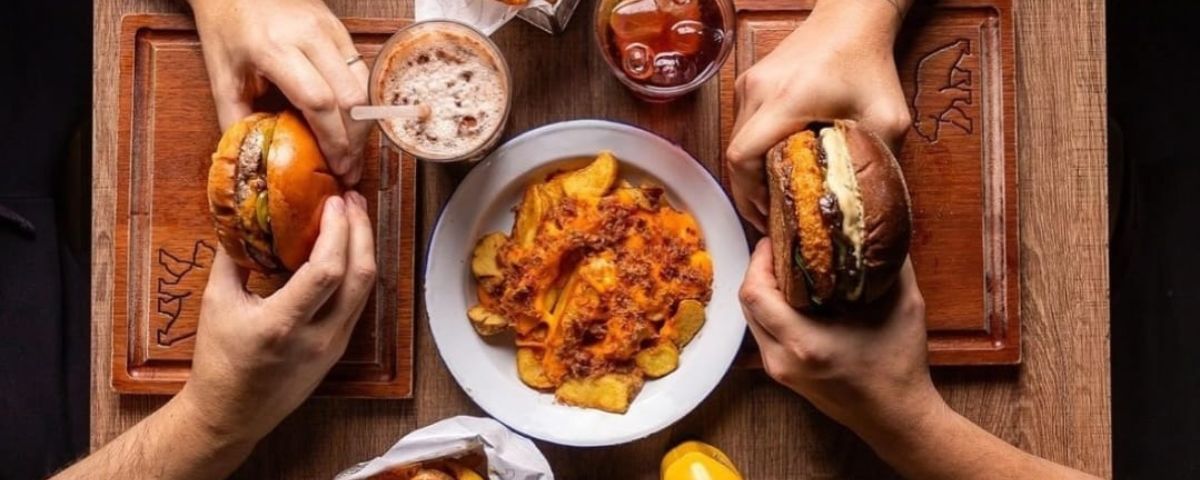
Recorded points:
(1055,404)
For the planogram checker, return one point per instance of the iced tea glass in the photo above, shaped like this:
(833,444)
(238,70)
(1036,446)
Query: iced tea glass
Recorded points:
(664,49)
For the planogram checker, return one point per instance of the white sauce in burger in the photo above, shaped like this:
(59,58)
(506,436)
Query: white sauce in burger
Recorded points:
(841,180)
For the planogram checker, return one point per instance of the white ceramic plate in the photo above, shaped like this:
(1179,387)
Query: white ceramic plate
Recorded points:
(486,368)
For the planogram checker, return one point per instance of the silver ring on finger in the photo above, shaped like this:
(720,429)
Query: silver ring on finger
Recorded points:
(354,59)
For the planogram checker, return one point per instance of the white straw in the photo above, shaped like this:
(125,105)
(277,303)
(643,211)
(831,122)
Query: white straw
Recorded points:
(379,112)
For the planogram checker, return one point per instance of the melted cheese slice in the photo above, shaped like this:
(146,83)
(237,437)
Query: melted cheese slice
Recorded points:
(841,180)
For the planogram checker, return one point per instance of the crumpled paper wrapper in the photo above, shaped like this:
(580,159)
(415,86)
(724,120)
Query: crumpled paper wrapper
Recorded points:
(489,15)
(509,456)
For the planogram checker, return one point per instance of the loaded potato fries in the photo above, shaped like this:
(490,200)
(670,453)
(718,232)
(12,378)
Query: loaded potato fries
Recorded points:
(602,282)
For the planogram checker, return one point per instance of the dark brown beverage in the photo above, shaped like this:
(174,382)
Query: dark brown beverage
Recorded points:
(662,49)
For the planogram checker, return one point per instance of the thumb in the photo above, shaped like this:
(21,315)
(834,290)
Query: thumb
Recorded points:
(765,304)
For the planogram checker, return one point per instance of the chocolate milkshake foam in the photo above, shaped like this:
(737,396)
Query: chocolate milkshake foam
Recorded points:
(460,79)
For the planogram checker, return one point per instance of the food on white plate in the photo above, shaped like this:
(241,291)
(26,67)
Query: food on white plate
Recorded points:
(602,282)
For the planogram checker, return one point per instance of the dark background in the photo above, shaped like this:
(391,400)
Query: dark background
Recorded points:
(45,214)
(1154,121)
(1154,194)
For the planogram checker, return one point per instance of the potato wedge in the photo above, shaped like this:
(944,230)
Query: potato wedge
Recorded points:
(486,322)
(534,205)
(529,368)
(431,474)
(702,261)
(682,326)
(659,360)
(484,258)
(641,197)
(592,181)
(610,392)
(461,472)
(600,272)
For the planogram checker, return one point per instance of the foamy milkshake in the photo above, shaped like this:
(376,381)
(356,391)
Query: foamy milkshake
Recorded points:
(455,71)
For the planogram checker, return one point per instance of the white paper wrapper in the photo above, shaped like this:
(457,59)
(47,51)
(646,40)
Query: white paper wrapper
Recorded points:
(489,15)
(509,456)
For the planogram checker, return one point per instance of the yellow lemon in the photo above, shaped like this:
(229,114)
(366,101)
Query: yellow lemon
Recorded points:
(697,461)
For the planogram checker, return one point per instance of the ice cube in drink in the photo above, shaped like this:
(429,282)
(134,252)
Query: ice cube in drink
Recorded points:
(673,69)
(686,37)
(680,10)
(637,59)
(637,21)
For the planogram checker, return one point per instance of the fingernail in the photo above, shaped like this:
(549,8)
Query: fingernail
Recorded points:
(358,199)
(335,204)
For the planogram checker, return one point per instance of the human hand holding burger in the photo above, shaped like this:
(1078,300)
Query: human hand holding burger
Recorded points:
(271,194)
(833,303)
(277,209)
(300,47)
(831,298)
(866,368)
(837,64)
(258,358)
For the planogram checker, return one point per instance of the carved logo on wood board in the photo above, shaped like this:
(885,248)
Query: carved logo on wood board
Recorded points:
(171,297)
(944,85)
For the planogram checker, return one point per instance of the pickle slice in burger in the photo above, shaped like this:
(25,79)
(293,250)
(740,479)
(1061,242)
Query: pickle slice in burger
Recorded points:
(839,217)
(266,188)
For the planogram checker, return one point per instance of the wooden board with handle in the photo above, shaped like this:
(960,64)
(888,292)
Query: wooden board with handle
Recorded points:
(957,67)
(165,242)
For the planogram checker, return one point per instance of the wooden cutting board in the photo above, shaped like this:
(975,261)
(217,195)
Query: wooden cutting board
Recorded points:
(956,63)
(164,234)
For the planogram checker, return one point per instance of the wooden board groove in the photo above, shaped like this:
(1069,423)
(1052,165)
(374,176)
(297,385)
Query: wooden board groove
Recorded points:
(957,68)
(164,237)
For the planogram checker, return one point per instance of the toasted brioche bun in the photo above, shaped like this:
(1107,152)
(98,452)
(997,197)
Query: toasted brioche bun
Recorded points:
(886,219)
(298,182)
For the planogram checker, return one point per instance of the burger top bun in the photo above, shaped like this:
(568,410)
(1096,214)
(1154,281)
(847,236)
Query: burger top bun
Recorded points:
(887,214)
(298,182)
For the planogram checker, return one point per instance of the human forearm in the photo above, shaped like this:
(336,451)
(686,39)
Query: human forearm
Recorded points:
(174,442)
(875,19)
(197,4)
(941,444)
